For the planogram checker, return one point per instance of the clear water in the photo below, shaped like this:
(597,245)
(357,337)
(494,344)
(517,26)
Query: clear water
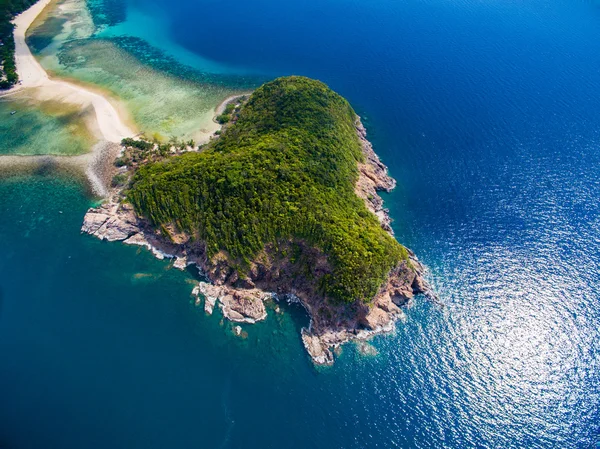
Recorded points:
(42,128)
(164,97)
(486,113)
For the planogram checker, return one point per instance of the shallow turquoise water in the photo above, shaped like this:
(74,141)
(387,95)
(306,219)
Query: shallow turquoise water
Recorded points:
(32,131)
(166,90)
(486,113)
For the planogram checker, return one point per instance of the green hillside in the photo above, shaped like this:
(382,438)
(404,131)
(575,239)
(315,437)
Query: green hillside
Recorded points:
(285,172)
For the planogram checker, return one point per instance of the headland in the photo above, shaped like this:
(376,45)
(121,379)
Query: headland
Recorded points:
(282,204)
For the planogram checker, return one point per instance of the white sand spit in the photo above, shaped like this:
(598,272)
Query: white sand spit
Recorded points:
(32,74)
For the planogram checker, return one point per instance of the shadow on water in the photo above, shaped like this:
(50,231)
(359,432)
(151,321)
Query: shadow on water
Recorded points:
(46,167)
(194,272)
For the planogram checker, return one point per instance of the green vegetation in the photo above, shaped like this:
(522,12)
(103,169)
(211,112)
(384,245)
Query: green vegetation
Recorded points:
(8,70)
(231,111)
(142,151)
(119,180)
(223,118)
(139,144)
(284,172)
(229,108)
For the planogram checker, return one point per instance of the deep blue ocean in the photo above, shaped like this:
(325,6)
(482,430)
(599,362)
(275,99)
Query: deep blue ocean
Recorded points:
(487,112)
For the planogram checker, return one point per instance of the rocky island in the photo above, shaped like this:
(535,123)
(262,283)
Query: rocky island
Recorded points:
(283,203)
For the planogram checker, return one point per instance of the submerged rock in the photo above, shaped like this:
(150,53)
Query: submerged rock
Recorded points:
(366,349)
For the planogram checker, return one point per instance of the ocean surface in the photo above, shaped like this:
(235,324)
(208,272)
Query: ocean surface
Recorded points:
(486,112)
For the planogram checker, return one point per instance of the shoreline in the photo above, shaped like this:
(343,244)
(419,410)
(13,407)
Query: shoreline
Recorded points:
(32,74)
(244,302)
(119,106)
(110,120)
(221,107)
(111,129)
(241,300)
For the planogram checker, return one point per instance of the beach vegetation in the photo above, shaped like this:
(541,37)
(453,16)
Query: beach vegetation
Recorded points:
(223,118)
(140,144)
(119,180)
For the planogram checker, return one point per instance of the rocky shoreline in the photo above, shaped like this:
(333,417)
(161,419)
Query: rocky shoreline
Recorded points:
(242,299)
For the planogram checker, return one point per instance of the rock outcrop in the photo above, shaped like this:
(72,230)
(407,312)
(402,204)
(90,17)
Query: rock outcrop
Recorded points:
(245,306)
(373,177)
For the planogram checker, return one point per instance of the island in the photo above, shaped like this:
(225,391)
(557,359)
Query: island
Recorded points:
(282,203)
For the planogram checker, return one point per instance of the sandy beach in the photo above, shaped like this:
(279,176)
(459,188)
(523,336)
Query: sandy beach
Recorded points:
(109,128)
(32,75)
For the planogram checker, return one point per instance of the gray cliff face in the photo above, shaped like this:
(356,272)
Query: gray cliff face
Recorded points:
(241,298)
(373,177)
